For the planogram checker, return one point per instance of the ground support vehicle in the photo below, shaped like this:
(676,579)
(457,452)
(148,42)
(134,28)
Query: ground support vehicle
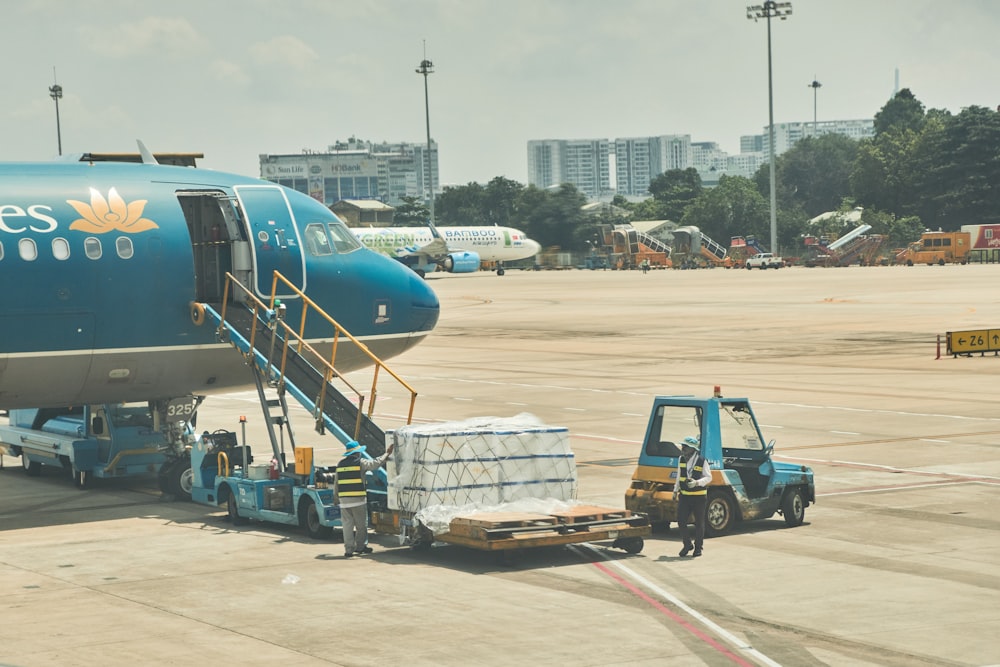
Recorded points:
(747,483)
(224,472)
(516,531)
(764,260)
(107,441)
(937,248)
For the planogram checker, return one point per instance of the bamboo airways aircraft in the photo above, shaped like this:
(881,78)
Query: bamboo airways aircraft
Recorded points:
(453,249)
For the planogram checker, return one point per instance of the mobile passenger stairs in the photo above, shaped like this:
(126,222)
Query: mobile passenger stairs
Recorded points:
(693,249)
(636,247)
(285,364)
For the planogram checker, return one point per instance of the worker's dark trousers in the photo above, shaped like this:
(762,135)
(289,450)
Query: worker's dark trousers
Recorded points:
(686,507)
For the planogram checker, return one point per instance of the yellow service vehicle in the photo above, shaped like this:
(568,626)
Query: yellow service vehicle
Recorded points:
(937,248)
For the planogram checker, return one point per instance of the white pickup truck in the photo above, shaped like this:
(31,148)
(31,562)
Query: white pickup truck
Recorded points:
(765,260)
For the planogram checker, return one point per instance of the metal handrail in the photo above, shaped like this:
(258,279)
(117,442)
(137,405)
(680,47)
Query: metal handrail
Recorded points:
(329,370)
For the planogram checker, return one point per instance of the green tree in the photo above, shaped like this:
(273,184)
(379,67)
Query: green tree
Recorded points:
(500,201)
(411,213)
(553,217)
(814,174)
(474,204)
(732,208)
(903,112)
(883,175)
(673,191)
(958,162)
(460,205)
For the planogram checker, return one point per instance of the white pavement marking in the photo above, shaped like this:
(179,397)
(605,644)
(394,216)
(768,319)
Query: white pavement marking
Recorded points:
(714,627)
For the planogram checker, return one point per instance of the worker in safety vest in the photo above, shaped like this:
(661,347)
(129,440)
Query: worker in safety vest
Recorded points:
(693,477)
(349,490)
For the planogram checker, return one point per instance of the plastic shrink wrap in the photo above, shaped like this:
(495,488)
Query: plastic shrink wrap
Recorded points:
(439,471)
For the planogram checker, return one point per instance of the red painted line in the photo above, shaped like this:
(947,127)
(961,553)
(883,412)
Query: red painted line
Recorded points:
(656,604)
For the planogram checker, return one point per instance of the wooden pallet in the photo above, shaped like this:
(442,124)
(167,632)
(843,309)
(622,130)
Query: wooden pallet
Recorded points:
(496,531)
(493,525)
(582,513)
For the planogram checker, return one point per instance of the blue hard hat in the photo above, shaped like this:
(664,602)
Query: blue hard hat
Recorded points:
(353,448)
(692,442)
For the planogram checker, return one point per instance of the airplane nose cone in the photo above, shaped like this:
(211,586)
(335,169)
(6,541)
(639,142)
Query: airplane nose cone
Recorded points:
(534,246)
(424,303)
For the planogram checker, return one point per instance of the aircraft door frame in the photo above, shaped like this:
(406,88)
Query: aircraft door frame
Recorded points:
(274,237)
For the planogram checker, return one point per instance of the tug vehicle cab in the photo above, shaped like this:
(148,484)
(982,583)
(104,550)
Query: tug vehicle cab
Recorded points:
(747,483)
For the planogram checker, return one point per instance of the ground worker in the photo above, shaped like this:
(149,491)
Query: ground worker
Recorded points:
(349,491)
(693,477)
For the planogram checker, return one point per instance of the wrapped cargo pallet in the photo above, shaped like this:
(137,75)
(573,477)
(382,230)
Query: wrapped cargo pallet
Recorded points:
(439,471)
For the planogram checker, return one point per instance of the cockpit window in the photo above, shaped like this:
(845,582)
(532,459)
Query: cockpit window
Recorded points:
(317,241)
(343,240)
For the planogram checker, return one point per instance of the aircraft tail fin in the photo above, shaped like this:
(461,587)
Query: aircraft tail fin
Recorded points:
(438,247)
(147,157)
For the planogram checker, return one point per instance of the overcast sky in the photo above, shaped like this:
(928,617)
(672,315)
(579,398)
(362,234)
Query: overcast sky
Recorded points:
(236,78)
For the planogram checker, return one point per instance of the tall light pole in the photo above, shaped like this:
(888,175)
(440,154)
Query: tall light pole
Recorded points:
(769,10)
(55,92)
(815,85)
(427,67)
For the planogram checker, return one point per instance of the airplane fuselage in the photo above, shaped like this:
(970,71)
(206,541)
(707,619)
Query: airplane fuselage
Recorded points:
(100,264)
(492,244)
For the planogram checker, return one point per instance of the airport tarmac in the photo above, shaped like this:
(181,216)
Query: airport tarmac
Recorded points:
(898,562)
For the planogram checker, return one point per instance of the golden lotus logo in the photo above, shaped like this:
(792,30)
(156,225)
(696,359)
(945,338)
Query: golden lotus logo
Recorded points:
(110,215)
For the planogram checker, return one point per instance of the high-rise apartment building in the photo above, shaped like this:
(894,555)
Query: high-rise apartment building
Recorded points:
(639,160)
(585,163)
(357,169)
(787,135)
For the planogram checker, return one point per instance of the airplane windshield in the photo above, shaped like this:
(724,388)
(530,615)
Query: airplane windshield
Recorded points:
(317,241)
(343,240)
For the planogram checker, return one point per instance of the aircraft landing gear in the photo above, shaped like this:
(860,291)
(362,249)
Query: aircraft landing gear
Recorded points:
(500,269)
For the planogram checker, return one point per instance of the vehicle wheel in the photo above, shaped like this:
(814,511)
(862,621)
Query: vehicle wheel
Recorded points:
(749,267)
(719,514)
(940,262)
(909,262)
(309,519)
(33,468)
(793,508)
(631,545)
(500,271)
(81,478)
(181,479)
(233,511)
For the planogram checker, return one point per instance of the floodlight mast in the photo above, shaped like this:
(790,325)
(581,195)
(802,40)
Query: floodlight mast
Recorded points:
(427,67)
(815,85)
(56,93)
(769,10)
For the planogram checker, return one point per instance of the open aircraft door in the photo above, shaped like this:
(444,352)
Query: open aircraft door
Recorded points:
(274,237)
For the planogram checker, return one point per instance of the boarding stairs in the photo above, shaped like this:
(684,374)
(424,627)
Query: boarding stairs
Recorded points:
(631,237)
(284,363)
(755,244)
(848,253)
(653,243)
(712,250)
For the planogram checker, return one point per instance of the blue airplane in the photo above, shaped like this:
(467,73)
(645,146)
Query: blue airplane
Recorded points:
(103,264)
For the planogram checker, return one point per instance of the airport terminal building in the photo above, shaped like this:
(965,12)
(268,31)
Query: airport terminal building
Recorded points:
(356,169)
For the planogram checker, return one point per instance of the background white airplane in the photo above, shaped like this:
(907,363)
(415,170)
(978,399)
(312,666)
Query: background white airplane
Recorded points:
(454,249)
